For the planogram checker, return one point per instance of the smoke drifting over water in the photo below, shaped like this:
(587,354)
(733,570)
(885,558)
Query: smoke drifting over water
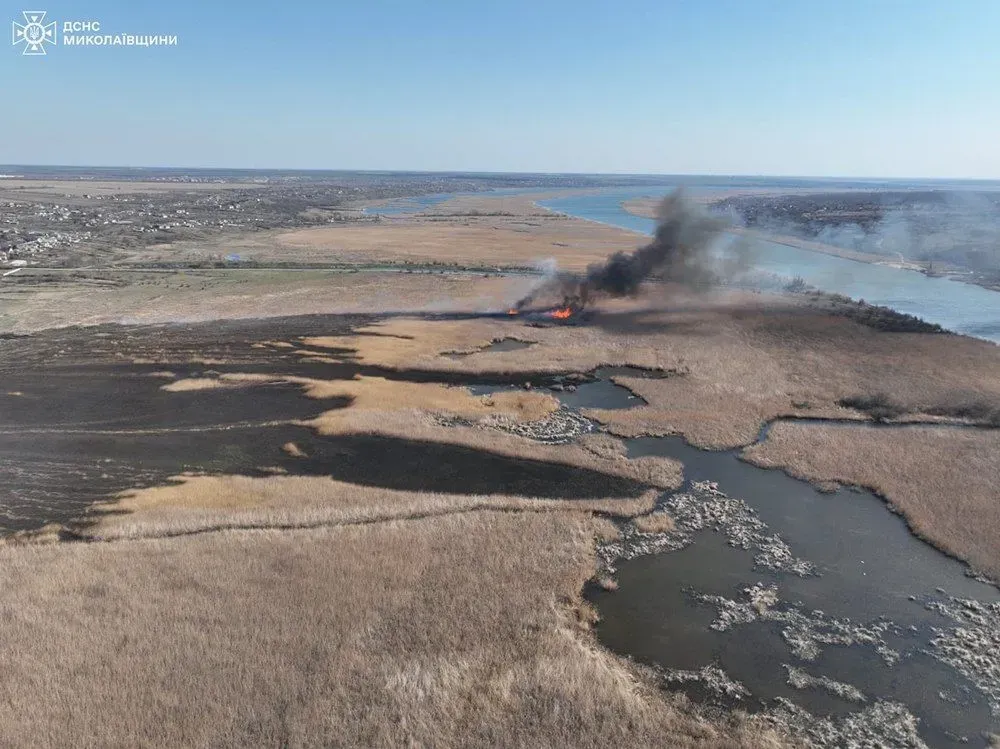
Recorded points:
(954,230)
(681,251)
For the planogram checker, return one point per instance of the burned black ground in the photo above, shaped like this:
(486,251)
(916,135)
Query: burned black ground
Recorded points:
(83,416)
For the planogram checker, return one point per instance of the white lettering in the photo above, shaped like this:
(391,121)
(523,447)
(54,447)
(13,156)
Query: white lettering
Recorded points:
(117,40)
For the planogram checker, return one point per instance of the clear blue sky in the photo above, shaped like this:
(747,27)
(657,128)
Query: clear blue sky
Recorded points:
(794,87)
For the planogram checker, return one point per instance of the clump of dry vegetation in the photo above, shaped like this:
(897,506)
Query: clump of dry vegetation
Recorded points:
(462,630)
(606,582)
(881,318)
(943,480)
(879,406)
(654,522)
(292,449)
(978,411)
(603,445)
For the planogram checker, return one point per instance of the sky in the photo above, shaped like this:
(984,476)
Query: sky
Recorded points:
(872,88)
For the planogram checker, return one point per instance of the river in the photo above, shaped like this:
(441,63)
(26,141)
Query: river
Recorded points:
(961,307)
(957,306)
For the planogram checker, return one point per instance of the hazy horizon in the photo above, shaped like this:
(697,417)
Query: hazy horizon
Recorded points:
(685,175)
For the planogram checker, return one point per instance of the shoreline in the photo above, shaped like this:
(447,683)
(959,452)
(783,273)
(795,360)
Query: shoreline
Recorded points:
(640,207)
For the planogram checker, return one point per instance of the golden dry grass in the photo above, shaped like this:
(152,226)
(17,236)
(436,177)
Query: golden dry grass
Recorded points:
(655,522)
(746,358)
(603,445)
(453,233)
(290,448)
(381,394)
(495,242)
(457,232)
(457,631)
(191,384)
(195,503)
(523,205)
(238,294)
(412,343)
(943,480)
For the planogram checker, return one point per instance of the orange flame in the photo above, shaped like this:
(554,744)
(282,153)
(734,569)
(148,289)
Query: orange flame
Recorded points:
(562,313)
(512,311)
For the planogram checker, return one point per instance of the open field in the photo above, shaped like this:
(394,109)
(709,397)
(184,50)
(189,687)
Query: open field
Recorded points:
(35,300)
(40,189)
(454,631)
(942,480)
(477,231)
(501,243)
(134,291)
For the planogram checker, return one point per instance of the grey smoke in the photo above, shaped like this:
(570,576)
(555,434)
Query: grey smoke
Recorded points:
(959,229)
(681,251)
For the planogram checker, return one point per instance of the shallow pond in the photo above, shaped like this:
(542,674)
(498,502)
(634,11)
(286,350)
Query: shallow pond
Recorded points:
(495,347)
(596,390)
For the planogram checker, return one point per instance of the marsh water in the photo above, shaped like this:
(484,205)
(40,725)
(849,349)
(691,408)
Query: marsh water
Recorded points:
(498,346)
(872,579)
(871,570)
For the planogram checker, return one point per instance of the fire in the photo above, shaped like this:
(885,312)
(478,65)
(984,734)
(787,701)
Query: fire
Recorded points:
(562,313)
(512,312)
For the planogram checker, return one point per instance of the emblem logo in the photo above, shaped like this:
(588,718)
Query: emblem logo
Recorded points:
(34,33)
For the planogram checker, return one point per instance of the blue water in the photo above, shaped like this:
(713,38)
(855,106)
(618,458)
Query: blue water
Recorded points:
(963,308)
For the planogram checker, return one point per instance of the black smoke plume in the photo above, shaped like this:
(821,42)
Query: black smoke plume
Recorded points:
(679,252)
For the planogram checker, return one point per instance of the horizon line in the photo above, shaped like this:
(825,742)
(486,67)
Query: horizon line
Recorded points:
(498,172)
